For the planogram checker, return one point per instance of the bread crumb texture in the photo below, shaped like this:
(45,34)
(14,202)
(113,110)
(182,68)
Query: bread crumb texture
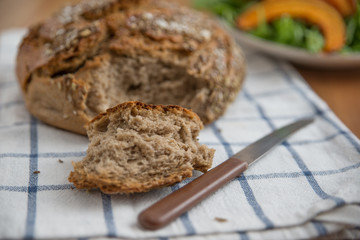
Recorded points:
(136,147)
(99,53)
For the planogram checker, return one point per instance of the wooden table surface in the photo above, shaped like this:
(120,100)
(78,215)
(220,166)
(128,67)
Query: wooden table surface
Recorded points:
(339,89)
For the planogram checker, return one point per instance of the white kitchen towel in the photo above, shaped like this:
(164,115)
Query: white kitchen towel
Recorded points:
(307,187)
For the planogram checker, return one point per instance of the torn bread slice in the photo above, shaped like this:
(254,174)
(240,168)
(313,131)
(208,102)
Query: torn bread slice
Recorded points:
(136,147)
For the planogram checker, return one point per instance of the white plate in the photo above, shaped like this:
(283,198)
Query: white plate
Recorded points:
(295,55)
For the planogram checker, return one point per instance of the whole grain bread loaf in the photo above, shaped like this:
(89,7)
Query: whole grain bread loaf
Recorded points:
(99,53)
(135,147)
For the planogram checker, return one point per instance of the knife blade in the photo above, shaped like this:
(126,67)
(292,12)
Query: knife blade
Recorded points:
(172,206)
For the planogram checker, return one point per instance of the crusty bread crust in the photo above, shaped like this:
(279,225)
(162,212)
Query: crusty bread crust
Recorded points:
(56,57)
(151,107)
(83,179)
(109,186)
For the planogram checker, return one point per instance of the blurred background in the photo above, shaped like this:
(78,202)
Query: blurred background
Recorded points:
(340,89)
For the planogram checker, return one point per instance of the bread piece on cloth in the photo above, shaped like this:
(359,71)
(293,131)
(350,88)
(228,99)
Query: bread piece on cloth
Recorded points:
(136,147)
(99,53)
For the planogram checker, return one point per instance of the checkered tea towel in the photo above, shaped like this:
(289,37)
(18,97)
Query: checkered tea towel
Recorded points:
(307,187)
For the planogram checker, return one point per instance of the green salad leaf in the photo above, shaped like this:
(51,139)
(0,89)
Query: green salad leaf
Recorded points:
(293,32)
(227,9)
(285,30)
(353,32)
(314,40)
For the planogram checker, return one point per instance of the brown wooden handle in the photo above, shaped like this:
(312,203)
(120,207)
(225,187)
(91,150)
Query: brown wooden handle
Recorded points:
(172,206)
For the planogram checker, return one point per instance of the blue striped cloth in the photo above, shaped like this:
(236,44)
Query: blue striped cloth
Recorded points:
(307,187)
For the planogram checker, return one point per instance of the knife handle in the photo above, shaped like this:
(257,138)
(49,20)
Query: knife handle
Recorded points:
(172,206)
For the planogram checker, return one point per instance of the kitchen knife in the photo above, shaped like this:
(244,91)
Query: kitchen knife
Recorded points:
(172,206)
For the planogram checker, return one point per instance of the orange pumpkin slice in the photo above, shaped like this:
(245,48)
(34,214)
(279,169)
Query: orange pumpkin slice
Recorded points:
(315,12)
(345,7)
